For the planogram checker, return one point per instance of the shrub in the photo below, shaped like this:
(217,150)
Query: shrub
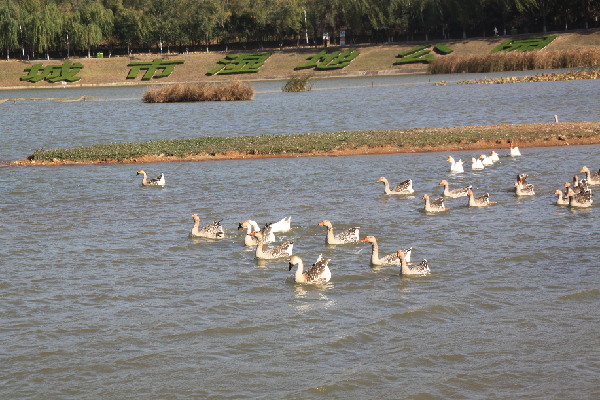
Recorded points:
(298,83)
(201,91)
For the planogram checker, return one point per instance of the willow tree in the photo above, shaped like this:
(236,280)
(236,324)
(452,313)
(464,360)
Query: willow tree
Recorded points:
(91,24)
(204,20)
(42,24)
(9,27)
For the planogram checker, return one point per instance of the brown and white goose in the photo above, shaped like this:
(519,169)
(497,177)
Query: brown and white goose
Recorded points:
(348,236)
(454,193)
(251,226)
(421,269)
(158,181)
(282,250)
(390,259)
(318,273)
(591,179)
(481,201)
(404,187)
(434,206)
(579,199)
(562,199)
(523,189)
(214,230)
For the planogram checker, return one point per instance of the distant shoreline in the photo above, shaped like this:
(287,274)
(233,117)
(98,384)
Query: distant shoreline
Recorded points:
(495,137)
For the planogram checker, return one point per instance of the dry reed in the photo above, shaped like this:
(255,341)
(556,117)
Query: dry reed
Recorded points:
(516,61)
(201,91)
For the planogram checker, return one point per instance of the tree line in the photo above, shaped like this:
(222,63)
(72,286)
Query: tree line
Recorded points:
(63,28)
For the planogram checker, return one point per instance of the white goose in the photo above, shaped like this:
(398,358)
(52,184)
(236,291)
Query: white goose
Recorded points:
(158,181)
(514,150)
(476,163)
(251,226)
(485,160)
(455,166)
(214,230)
(434,206)
(282,250)
(348,236)
(283,225)
(454,193)
(494,156)
(591,179)
(404,187)
(390,259)
(319,273)
(405,269)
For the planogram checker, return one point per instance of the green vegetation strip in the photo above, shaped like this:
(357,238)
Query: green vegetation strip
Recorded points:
(316,143)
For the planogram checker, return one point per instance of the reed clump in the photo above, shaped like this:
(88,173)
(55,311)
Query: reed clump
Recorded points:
(298,83)
(516,61)
(200,91)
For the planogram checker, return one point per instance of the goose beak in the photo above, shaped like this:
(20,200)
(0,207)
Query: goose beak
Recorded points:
(240,226)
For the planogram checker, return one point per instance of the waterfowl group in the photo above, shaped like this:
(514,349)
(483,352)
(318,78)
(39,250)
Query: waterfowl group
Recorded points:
(577,194)
(158,181)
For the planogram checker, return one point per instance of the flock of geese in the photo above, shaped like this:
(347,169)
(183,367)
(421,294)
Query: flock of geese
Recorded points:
(576,194)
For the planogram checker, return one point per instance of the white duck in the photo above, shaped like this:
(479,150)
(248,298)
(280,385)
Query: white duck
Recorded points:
(481,201)
(455,166)
(390,259)
(454,193)
(214,230)
(485,160)
(434,206)
(514,150)
(282,250)
(494,156)
(405,269)
(476,163)
(591,179)
(348,236)
(158,181)
(319,273)
(251,226)
(283,225)
(404,187)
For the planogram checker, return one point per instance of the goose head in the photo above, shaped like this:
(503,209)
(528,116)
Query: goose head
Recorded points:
(327,223)
(370,239)
(445,182)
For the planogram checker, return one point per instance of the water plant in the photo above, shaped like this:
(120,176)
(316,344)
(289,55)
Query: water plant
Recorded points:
(298,83)
(200,91)
(516,61)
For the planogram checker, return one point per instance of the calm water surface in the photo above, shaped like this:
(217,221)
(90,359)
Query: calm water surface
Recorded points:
(104,295)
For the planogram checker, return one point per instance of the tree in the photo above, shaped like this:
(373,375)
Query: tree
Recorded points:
(9,27)
(91,24)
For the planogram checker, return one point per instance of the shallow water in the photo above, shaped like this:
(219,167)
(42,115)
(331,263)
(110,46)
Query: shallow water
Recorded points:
(104,294)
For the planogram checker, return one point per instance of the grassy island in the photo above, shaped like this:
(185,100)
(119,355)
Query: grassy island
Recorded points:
(324,144)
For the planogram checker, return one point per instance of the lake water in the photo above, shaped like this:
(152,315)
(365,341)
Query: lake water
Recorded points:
(104,295)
